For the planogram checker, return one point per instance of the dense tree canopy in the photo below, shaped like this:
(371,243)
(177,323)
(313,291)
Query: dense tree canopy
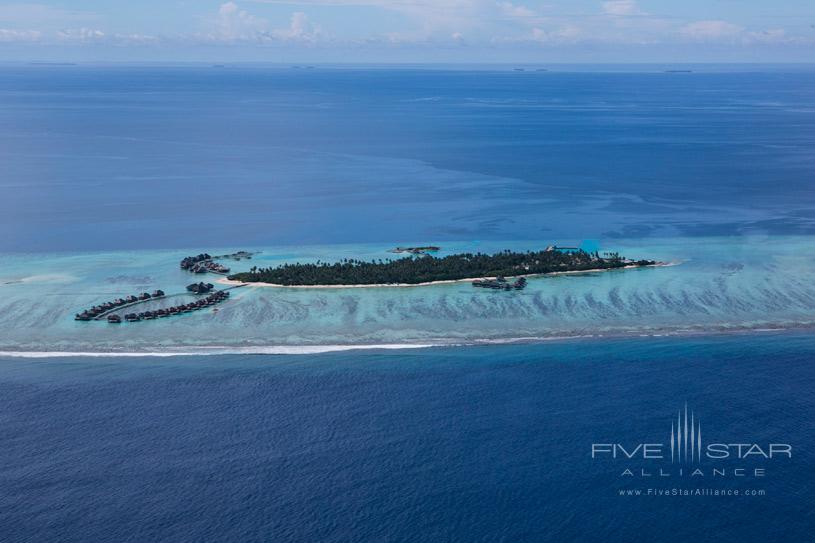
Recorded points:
(421,269)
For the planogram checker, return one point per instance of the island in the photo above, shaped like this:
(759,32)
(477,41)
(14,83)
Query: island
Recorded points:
(417,250)
(427,269)
(205,263)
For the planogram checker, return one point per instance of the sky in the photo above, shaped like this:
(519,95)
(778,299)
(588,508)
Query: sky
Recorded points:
(385,31)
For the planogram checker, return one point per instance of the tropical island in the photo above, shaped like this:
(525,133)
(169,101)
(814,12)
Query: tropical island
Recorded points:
(424,269)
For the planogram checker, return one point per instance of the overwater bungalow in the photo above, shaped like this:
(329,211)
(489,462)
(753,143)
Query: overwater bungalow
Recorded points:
(500,283)
(190,262)
(200,288)
(96,312)
(204,262)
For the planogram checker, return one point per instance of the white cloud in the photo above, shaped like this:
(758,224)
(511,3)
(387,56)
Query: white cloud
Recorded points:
(436,18)
(300,29)
(621,8)
(10,35)
(135,39)
(724,32)
(80,35)
(711,31)
(512,10)
(563,34)
(75,36)
(235,24)
(422,23)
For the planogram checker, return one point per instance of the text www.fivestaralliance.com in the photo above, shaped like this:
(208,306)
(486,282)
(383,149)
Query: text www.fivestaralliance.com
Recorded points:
(689,492)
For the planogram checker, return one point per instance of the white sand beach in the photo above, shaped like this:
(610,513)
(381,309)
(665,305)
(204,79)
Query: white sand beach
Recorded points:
(229,282)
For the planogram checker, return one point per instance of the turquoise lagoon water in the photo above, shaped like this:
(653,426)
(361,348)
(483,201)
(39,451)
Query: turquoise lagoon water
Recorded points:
(716,284)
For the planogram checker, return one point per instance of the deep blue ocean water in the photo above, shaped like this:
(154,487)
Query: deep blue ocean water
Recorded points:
(469,444)
(112,158)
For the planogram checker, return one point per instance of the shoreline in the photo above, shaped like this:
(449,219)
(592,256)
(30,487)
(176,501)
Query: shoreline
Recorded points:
(225,281)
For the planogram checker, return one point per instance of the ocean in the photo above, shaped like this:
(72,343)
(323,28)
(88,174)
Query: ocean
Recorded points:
(438,413)
(488,443)
(99,158)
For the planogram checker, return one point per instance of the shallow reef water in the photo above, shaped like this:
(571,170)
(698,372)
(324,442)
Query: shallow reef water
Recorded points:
(713,285)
